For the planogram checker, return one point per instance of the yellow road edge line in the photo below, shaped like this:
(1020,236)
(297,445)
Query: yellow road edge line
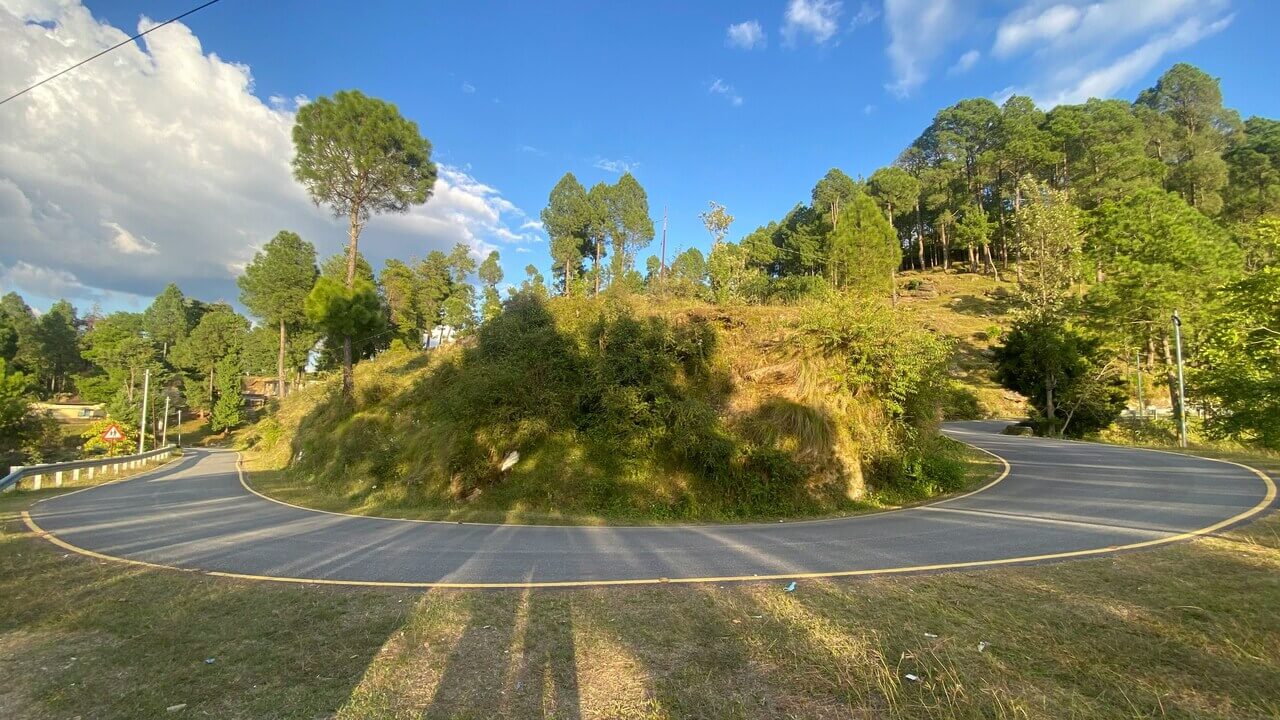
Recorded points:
(1266,502)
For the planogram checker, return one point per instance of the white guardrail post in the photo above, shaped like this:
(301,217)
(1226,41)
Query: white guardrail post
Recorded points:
(36,473)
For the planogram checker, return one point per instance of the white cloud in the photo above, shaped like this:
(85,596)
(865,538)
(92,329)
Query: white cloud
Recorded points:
(919,32)
(1032,25)
(868,109)
(746,35)
(158,163)
(468,88)
(965,62)
(817,19)
(41,281)
(867,14)
(1093,25)
(1109,79)
(1077,49)
(720,87)
(128,243)
(615,166)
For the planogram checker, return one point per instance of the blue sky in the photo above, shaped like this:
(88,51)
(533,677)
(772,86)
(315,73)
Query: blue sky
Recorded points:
(514,94)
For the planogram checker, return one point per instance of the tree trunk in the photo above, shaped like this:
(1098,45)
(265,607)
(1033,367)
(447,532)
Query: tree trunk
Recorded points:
(348,375)
(353,237)
(280,392)
(599,244)
(1049,408)
(991,264)
(209,402)
(919,220)
(946,251)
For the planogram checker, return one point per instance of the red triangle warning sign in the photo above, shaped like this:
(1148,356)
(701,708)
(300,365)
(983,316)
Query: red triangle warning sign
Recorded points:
(113,433)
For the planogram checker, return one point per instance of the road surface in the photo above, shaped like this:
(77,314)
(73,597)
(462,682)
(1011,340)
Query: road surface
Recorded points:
(1058,500)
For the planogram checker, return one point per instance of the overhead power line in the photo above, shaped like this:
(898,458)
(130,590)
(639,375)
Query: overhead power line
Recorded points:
(104,52)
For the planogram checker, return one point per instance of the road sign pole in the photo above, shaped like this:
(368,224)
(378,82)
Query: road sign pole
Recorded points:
(142,426)
(179,427)
(1182,388)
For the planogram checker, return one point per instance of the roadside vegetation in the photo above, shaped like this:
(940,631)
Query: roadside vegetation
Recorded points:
(631,408)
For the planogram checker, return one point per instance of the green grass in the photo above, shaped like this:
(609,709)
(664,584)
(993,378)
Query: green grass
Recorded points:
(1184,631)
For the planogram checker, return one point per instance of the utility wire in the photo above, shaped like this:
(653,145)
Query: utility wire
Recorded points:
(104,52)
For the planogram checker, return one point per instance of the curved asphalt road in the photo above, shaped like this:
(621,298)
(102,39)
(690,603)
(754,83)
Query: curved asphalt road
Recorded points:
(1060,499)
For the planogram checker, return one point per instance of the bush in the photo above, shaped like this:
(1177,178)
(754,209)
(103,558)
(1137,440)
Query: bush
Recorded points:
(797,288)
(1050,362)
(621,406)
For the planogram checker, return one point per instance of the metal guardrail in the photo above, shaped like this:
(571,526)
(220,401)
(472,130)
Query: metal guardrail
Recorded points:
(37,473)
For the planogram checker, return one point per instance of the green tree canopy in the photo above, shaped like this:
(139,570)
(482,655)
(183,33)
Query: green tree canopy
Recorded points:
(1197,131)
(402,290)
(220,334)
(628,222)
(864,251)
(275,285)
(1059,369)
(341,312)
(359,156)
(1238,370)
(490,273)
(832,194)
(567,220)
(1052,242)
(167,319)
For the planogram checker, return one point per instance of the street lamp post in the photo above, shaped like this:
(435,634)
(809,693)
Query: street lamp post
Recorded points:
(142,426)
(164,432)
(1182,388)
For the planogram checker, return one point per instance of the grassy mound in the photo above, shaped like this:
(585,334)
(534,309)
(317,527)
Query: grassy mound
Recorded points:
(628,408)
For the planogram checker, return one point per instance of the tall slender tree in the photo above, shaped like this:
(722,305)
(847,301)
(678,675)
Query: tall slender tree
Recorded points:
(567,220)
(490,273)
(166,320)
(359,156)
(629,223)
(275,285)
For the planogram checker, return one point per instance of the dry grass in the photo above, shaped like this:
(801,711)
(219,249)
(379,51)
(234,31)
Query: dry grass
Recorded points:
(973,310)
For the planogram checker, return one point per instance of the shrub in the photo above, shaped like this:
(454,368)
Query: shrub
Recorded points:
(617,410)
